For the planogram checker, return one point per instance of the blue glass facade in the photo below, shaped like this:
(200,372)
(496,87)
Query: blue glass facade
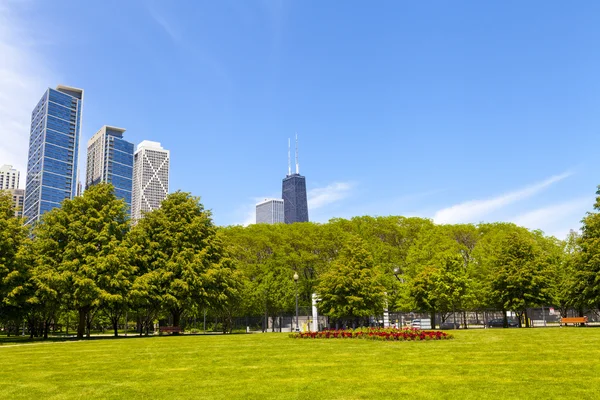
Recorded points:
(53,151)
(110,159)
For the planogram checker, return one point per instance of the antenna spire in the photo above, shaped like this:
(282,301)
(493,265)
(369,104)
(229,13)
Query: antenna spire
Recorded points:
(297,164)
(289,159)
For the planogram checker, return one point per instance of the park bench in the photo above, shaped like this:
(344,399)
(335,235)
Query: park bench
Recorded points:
(170,329)
(573,320)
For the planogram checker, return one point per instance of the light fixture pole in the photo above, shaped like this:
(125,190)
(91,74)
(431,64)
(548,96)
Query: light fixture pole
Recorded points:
(296,280)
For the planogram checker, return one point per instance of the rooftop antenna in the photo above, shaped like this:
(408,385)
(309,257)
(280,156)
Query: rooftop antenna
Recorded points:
(289,159)
(297,165)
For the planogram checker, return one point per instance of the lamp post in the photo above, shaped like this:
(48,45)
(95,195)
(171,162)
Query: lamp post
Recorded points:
(296,280)
(401,280)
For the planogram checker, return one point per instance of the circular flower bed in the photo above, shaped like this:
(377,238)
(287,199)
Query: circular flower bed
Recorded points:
(374,334)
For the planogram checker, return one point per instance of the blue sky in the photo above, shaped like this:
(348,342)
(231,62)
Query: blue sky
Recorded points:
(456,111)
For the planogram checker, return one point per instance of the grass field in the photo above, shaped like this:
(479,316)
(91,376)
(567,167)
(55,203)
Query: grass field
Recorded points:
(478,364)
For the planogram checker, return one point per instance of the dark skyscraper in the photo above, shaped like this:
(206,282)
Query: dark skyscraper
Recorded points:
(295,204)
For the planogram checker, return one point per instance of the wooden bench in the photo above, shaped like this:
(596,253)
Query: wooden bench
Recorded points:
(170,329)
(574,320)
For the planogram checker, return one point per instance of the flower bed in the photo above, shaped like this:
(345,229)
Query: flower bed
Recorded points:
(374,334)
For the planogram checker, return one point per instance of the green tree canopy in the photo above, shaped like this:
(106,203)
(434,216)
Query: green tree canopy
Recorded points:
(352,289)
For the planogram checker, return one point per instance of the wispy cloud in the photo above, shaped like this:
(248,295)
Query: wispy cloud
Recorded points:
(556,219)
(320,197)
(22,82)
(167,26)
(471,211)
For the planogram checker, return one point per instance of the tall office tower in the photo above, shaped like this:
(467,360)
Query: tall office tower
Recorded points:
(269,211)
(110,159)
(150,178)
(294,193)
(53,151)
(9,177)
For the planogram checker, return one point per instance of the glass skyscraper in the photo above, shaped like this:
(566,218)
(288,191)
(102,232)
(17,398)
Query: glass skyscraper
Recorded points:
(110,159)
(53,151)
(295,204)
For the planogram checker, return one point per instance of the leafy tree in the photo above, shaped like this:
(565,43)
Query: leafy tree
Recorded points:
(116,274)
(352,289)
(75,246)
(588,260)
(180,260)
(441,289)
(518,279)
(13,236)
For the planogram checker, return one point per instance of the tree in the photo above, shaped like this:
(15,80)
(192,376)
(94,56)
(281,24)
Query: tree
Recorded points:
(13,273)
(441,289)
(519,274)
(179,258)
(75,244)
(115,279)
(352,289)
(588,260)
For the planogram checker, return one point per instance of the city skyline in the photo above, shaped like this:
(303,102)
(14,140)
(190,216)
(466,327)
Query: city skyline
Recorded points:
(461,113)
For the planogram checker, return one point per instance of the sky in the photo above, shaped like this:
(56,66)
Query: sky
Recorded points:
(462,112)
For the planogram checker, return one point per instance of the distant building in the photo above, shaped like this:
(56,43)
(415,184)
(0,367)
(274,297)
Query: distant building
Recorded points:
(110,160)
(9,177)
(53,151)
(9,181)
(270,211)
(18,196)
(294,193)
(150,178)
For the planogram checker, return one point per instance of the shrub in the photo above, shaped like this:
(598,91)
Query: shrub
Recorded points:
(387,334)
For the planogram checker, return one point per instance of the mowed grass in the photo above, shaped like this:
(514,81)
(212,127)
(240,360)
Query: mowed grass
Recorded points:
(477,364)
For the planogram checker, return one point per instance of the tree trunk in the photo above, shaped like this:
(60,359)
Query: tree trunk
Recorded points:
(504,319)
(88,324)
(46,329)
(81,324)
(526,318)
(433,319)
(115,324)
(176,317)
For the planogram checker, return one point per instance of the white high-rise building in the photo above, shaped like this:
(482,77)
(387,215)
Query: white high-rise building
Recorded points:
(150,178)
(9,177)
(9,181)
(270,211)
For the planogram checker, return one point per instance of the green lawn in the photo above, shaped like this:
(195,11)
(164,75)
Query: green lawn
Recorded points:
(479,364)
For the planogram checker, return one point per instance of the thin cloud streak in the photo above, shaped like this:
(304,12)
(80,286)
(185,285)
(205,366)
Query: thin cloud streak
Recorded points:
(471,211)
(165,25)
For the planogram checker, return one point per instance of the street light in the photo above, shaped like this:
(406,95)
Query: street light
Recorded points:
(396,273)
(401,280)
(296,280)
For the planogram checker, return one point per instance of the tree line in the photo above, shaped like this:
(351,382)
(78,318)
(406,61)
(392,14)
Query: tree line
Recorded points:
(87,260)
